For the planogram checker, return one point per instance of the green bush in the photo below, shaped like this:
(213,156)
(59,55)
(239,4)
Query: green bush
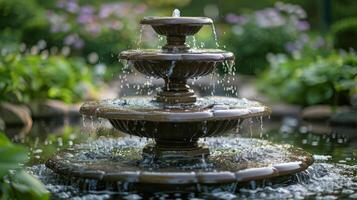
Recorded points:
(344,9)
(311,80)
(344,32)
(37,30)
(26,77)
(15,183)
(84,26)
(17,13)
(88,26)
(254,35)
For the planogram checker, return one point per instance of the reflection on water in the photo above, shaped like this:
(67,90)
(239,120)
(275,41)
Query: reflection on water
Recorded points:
(333,175)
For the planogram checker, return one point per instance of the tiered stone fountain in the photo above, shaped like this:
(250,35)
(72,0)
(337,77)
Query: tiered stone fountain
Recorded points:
(175,119)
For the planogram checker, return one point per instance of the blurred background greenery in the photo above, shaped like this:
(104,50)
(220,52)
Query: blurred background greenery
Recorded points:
(60,49)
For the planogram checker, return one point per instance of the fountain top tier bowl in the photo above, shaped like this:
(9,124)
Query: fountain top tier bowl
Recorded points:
(176,26)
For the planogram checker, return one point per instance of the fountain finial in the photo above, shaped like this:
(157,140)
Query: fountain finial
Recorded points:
(176,13)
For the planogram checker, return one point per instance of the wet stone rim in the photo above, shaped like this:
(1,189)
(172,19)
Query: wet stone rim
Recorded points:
(191,21)
(189,56)
(93,109)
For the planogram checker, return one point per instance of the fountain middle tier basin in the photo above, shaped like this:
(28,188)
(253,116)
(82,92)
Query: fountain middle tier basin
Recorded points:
(180,66)
(140,110)
(175,128)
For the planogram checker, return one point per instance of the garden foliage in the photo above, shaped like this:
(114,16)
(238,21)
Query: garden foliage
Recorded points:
(344,33)
(31,77)
(310,80)
(102,28)
(15,183)
(271,30)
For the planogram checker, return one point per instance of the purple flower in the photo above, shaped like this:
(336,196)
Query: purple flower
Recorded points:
(72,6)
(269,17)
(86,10)
(232,18)
(61,4)
(118,9)
(78,44)
(300,12)
(58,22)
(140,9)
(116,25)
(318,43)
(86,15)
(94,28)
(105,11)
(291,47)
(238,30)
(70,39)
(291,9)
(304,38)
(303,25)
(74,40)
(85,18)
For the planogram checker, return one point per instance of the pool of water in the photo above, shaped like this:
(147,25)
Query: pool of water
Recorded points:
(332,176)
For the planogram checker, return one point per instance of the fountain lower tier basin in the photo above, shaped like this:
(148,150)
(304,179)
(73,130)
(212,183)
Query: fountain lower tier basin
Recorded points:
(117,164)
(175,128)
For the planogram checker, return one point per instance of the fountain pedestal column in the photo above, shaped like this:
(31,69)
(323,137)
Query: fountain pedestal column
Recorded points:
(176,91)
(178,150)
(176,44)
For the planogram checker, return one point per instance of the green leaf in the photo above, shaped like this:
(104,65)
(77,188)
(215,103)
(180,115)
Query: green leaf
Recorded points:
(11,155)
(4,141)
(25,186)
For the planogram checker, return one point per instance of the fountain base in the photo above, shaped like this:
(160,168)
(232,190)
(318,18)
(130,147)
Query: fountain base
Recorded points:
(117,164)
(162,154)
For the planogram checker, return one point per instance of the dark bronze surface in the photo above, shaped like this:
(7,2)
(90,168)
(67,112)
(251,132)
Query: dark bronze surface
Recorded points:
(179,137)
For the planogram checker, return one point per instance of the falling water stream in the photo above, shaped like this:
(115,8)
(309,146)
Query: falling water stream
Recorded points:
(215,35)
(138,43)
